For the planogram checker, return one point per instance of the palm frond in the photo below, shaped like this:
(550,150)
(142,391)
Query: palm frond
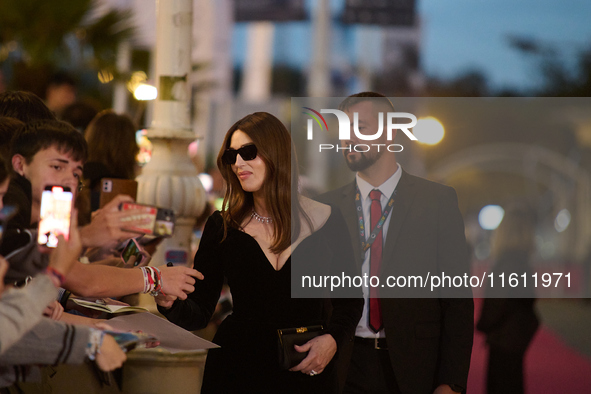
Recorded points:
(41,28)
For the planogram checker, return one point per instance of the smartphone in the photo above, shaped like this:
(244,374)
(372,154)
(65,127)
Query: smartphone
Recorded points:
(133,248)
(112,187)
(161,223)
(56,210)
(6,214)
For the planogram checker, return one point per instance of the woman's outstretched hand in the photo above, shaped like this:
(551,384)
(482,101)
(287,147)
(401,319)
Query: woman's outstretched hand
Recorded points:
(165,301)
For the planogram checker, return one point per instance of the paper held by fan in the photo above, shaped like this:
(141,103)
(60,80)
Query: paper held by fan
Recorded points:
(107,305)
(172,337)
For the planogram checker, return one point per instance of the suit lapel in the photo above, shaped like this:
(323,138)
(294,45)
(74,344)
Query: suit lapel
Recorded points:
(405,193)
(349,212)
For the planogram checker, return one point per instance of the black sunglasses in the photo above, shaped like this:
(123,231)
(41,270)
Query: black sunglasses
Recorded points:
(247,152)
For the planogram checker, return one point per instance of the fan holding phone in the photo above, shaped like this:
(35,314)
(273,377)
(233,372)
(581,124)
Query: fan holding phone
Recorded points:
(53,153)
(56,211)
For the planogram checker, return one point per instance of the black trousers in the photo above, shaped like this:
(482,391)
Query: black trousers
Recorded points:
(505,372)
(370,372)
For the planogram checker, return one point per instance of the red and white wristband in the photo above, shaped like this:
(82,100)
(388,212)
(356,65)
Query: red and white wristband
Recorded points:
(152,281)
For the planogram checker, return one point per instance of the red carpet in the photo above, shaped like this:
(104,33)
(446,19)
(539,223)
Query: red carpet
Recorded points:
(551,367)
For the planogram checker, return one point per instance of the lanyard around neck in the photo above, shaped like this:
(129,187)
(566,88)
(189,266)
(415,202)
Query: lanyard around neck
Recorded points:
(366,244)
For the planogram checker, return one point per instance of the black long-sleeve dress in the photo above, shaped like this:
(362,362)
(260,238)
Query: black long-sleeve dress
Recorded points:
(247,359)
(510,321)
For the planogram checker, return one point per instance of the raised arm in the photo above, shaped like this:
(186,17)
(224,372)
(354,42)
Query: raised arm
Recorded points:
(95,280)
(195,312)
(51,343)
(21,309)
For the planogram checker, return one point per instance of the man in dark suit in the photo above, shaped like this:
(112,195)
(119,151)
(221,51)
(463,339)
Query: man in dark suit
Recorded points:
(408,340)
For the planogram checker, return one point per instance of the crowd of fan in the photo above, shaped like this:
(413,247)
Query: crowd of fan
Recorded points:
(37,150)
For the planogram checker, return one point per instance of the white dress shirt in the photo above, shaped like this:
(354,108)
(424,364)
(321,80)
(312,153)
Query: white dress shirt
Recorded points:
(386,188)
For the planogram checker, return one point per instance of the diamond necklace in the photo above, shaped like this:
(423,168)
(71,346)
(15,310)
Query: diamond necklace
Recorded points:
(260,218)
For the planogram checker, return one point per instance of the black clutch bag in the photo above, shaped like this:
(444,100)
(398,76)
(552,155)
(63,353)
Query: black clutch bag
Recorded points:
(288,337)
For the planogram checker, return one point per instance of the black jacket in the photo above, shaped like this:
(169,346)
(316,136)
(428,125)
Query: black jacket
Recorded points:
(19,238)
(429,339)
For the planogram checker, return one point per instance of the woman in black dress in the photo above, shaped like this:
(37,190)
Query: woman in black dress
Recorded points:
(251,242)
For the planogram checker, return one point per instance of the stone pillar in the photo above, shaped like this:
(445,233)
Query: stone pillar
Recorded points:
(170,180)
(319,76)
(319,86)
(256,81)
(120,93)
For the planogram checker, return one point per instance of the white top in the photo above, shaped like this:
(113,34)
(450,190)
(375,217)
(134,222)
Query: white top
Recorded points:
(386,188)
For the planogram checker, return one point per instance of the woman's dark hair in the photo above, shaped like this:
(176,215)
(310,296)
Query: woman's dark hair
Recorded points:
(24,106)
(111,141)
(275,148)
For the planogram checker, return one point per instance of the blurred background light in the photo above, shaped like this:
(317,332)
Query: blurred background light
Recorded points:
(137,78)
(193,148)
(145,92)
(562,220)
(490,217)
(145,153)
(105,76)
(218,203)
(206,181)
(429,130)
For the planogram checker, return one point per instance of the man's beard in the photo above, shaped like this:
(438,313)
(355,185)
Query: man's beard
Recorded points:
(362,162)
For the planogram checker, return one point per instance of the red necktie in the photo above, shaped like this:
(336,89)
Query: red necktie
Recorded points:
(375,311)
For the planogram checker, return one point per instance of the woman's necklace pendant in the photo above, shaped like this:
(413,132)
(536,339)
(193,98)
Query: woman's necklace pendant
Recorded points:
(261,219)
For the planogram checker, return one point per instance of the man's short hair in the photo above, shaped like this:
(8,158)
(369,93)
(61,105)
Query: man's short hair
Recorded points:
(46,134)
(374,97)
(24,106)
(9,127)
(4,170)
